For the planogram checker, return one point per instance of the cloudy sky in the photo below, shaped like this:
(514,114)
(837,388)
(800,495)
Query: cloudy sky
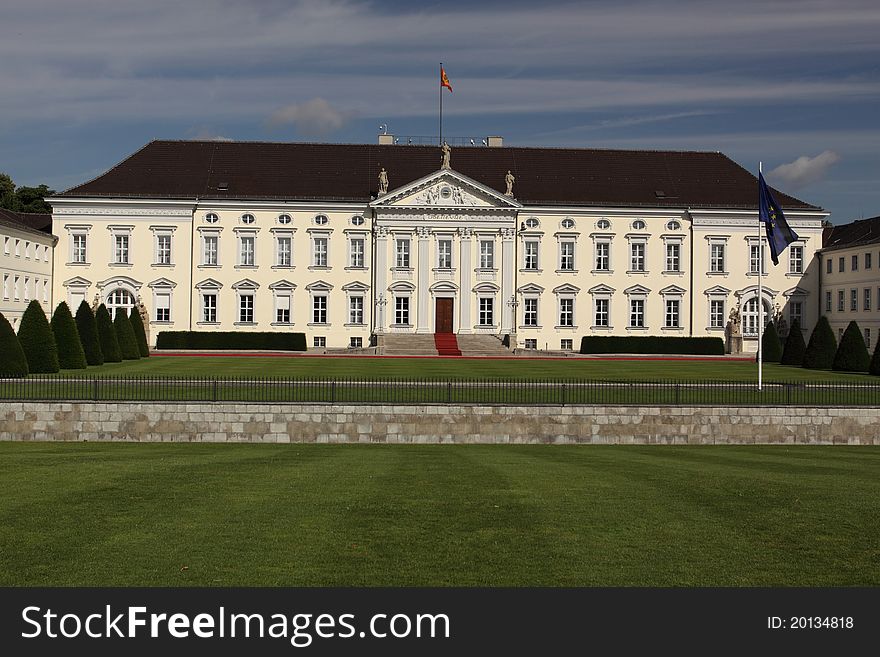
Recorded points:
(794,84)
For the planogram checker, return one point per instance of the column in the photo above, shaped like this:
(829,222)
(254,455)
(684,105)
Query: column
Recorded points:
(508,263)
(423,282)
(466,269)
(380,294)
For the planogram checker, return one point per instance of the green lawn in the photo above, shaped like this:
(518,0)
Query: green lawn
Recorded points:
(237,515)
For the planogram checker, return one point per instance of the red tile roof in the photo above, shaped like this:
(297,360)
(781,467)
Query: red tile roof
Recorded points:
(27,221)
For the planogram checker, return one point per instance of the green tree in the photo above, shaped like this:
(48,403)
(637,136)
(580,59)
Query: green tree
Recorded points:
(107,336)
(771,348)
(24,199)
(821,348)
(875,361)
(70,351)
(793,353)
(37,340)
(12,359)
(88,334)
(852,354)
(125,334)
(140,333)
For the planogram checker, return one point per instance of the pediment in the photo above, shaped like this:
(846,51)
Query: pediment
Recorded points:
(321,286)
(209,284)
(162,282)
(283,284)
(637,289)
(530,288)
(121,280)
(796,292)
(601,289)
(356,286)
(445,189)
(718,289)
(246,284)
(673,290)
(77,281)
(566,288)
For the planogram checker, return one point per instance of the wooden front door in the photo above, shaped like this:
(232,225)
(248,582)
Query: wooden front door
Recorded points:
(443,315)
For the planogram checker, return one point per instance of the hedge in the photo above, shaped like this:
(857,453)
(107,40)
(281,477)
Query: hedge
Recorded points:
(125,334)
(875,361)
(771,348)
(140,334)
(88,334)
(245,341)
(852,354)
(649,344)
(793,353)
(37,341)
(13,364)
(70,351)
(107,336)
(821,348)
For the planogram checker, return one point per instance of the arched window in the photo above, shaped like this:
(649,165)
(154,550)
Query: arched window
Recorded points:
(751,316)
(119,299)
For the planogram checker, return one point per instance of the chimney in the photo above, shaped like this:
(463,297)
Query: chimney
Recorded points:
(386,139)
(495,142)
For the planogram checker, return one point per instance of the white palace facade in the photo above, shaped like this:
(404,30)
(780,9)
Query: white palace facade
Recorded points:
(354,244)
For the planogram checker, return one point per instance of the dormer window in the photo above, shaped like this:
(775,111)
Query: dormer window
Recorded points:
(211,218)
(247,219)
(321,220)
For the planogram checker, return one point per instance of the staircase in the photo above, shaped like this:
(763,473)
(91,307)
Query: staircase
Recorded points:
(482,345)
(446,344)
(408,344)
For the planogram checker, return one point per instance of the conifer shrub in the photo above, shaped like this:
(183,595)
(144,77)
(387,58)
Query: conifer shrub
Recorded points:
(37,341)
(771,348)
(874,368)
(107,336)
(88,334)
(70,351)
(13,363)
(852,354)
(822,347)
(793,353)
(125,335)
(140,333)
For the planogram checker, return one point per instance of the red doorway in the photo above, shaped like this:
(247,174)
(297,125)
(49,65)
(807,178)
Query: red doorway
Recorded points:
(443,315)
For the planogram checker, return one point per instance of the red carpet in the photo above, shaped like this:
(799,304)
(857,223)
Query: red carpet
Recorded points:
(446,344)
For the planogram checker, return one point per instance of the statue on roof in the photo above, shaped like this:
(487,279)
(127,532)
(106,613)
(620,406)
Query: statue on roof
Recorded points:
(383,182)
(509,179)
(447,154)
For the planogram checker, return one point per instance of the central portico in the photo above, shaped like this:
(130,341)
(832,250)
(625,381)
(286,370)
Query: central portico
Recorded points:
(445,257)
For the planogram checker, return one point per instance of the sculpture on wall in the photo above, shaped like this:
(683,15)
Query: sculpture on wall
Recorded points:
(383,182)
(447,154)
(733,334)
(509,179)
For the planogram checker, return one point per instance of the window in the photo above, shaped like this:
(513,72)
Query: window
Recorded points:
(355,310)
(840,264)
(210,244)
(247,219)
(868,337)
(402,253)
(17,289)
(867,261)
(121,249)
(828,301)
(672,314)
(319,341)
(637,256)
(795,313)
(284,219)
(320,255)
(673,256)
(6,241)
(566,256)
(531,255)
(209,307)
(487,254)
(79,248)
(566,345)
(356,252)
(867,298)
(568,223)
(796,260)
(444,254)
(754,258)
(282,308)
(319,309)
(401,311)
(357,220)
(531,343)
(603,224)
(321,220)
(27,288)
(673,225)
(603,256)
(751,317)
(716,313)
(530,312)
(638,224)
(828,266)
(716,258)
(841,295)
(17,248)
(163,249)
(211,218)
(247,245)
(566,312)
(532,222)
(5,286)
(246,308)
(163,306)
(855,263)
(602,308)
(355,342)
(119,301)
(284,252)
(637,313)
(853,300)
(487,305)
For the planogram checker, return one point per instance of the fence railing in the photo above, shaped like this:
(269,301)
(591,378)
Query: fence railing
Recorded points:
(436,391)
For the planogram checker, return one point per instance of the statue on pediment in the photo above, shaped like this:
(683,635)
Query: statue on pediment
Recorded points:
(383,182)
(509,179)
(447,154)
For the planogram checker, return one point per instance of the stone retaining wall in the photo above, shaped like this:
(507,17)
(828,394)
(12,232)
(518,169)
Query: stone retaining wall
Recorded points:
(206,422)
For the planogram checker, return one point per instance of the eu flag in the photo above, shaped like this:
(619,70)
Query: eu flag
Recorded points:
(779,234)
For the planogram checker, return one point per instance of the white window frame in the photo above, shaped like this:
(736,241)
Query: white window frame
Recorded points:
(216,252)
(757,254)
(402,310)
(638,256)
(402,252)
(280,261)
(243,236)
(716,319)
(796,259)
(670,243)
(565,311)
(356,305)
(203,306)
(117,232)
(531,261)
(567,261)
(357,255)
(79,255)
(160,294)
(717,255)
(320,311)
(792,315)
(246,293)
(161,233)
(600,300)
(668,304)
(534,313)
(598,246)
(444,260)
(481,312)
(282,299)
(487,253)
(320,257)
(637,310)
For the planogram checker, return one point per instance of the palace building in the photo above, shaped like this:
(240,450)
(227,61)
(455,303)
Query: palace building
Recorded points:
(25,263)
(356,244)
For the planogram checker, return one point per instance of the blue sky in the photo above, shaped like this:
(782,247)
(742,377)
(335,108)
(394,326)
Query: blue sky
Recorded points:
(793,84)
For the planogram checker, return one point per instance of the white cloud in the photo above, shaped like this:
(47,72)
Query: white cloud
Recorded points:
(805,170)
(313,118)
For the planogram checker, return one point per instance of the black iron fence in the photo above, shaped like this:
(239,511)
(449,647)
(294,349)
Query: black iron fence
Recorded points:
(434,391)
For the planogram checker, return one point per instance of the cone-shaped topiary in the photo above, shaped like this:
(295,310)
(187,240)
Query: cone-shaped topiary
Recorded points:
(874,368)
(852,354)
(12,360)
(140,334)
(771,348)
(125,335)
(70,352)
(37,340)
(107,336)
(793,353)
(88,334)
(821,348)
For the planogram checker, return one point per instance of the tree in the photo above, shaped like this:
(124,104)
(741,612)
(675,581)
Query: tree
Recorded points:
(88,334)
(24,199)
(821,348)
(37,340)
(125,335)
(107,336)
(874,368)
(70,351)
(771,348)
(140,334)
(793,353)
(12,359)
(852,354)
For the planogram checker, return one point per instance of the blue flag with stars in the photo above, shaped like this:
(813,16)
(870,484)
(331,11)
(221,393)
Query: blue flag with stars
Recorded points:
(779,234)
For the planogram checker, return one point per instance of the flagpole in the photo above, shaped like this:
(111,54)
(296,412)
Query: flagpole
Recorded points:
(440,90)
(760,292)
